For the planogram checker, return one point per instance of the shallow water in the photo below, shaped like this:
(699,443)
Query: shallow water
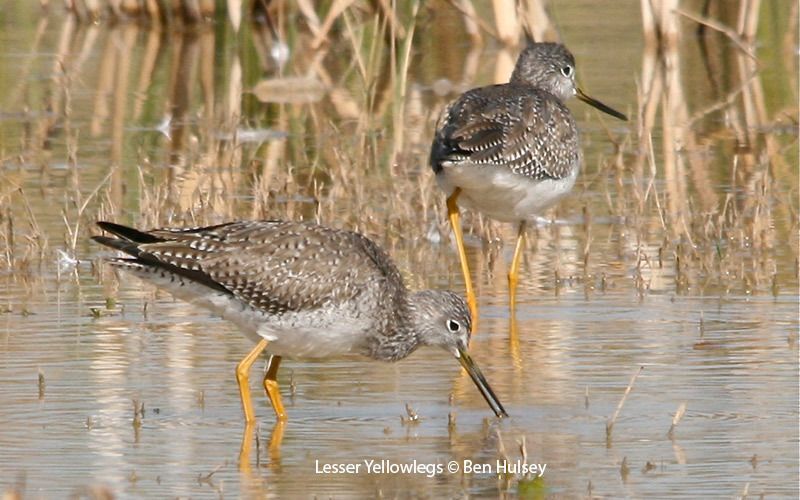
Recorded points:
(697,287)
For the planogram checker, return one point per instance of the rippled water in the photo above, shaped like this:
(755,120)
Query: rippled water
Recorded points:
(725,344)
(560,383)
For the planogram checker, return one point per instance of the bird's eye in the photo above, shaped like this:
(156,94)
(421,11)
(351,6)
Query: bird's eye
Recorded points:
(566,71)
(453,325)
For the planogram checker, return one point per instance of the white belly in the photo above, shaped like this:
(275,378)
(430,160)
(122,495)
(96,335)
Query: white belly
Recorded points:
(502,194)
(304,341)
(305,334)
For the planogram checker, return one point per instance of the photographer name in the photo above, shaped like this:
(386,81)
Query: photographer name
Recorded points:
(430,469)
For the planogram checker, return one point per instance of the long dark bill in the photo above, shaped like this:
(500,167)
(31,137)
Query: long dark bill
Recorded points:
(483,386)
(599,105)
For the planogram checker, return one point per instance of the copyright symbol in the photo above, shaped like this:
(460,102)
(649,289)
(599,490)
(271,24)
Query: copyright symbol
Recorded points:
(452,466)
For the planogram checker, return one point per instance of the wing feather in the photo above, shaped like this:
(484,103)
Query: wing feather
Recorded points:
(527,130)
(273,266)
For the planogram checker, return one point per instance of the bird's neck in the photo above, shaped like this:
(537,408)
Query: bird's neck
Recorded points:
(396,336)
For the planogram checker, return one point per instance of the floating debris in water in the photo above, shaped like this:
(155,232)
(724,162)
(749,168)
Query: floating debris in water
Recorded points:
(258,444)
(702,326)
(675,419)
(66,261)
(164,127)
(532,487)
(745,491)
(411,418)
(624,470)
(41,384)
(680,455)
(292,385)
(255,135)
(433,235)
(280,52)
(613,419)
(138,414)
(206,478)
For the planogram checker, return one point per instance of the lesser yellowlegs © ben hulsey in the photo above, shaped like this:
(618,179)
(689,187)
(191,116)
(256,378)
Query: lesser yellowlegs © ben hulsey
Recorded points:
(298,289)
(511,150)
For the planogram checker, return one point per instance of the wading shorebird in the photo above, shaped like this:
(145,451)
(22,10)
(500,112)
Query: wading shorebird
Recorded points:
(298,289)
(511,150)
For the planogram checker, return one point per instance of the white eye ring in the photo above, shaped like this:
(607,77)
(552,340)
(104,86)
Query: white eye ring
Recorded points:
(566,71)
(453,325)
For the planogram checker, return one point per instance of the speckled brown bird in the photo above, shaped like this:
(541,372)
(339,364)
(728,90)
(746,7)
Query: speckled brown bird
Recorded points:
(511,150)
(298,290)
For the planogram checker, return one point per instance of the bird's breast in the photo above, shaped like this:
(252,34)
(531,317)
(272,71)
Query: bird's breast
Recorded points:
(315,335)
(501,194)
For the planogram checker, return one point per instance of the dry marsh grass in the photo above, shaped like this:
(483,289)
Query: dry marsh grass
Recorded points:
(344,127)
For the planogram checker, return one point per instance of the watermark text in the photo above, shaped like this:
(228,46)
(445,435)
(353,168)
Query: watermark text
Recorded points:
(466,466)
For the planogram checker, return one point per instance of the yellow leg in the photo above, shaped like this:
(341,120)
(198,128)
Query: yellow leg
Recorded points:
(273,391)
(513,272)
(244,449)
(242,373)
(275,442)
(274,445)
(513,338)
(455,222)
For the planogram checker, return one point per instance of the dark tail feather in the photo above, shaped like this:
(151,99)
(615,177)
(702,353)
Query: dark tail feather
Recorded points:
(127,233)
(129,241)
(126,246)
